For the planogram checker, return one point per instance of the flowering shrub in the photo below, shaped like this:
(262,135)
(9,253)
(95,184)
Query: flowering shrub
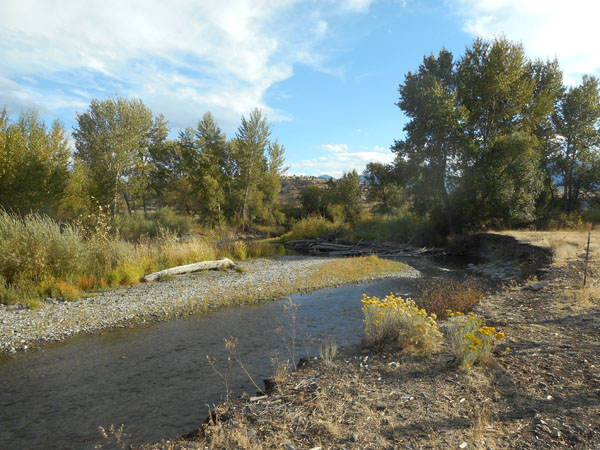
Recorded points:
(393,321)
(474,341)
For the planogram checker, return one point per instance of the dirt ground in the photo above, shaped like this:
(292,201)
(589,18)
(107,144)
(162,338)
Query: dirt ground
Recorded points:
(542,393)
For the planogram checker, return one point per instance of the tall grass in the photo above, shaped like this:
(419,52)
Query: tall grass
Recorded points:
(314,227)
(403,226)
(40,257)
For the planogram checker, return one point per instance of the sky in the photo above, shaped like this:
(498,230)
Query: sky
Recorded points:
(324,72)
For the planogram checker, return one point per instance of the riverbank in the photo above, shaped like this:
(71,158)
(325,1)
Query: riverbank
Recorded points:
(257,280)
(542,393)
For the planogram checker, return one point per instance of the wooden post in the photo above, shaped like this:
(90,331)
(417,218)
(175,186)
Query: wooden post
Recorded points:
(587,255)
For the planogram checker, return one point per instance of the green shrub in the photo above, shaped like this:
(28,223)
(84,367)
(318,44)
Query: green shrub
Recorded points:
(403,226)
(314,227)
(133,227)
(394,322)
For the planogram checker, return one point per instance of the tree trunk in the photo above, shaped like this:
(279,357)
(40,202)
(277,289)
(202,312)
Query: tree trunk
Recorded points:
(116,196)
(126,197)
(223,263)
(244,207)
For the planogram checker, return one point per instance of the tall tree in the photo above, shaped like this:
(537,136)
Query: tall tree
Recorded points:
(249,149)
(213,169)
(347,194)
(383,187)
(430,155)
(576,147)
(473,143)
(34,164)
(113,139)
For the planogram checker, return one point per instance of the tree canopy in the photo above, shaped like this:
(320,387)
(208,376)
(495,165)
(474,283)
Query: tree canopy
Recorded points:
(492,134)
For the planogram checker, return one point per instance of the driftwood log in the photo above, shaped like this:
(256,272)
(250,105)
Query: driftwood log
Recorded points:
(324,247)
(224,263)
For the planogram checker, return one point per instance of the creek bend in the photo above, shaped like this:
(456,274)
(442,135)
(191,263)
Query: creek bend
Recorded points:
(156,379)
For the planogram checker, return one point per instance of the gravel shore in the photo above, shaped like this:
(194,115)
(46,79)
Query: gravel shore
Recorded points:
(23,329)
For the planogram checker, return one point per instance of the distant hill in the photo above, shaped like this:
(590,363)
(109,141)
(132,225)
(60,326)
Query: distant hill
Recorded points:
(291,186)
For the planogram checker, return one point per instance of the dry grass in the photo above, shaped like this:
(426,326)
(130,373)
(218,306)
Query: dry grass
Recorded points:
(567,245)
(569,249)
(361,401)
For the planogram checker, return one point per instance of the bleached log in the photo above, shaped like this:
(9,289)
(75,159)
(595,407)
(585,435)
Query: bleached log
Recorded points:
(224,263)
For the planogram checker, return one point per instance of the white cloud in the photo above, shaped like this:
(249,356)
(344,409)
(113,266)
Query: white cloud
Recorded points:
(341,159)
(184,56)
(356,5)
(547,28)
(336,148)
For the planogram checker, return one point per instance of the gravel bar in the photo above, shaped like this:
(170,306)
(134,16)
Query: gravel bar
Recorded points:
(22,329)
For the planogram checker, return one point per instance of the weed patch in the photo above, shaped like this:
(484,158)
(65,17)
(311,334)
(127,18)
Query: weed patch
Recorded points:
(437,297)
(314,227)
(65,290)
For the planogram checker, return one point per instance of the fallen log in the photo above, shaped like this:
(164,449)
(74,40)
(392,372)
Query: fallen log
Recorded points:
(224,263)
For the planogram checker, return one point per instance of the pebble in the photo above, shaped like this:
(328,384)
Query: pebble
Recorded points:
(22,328)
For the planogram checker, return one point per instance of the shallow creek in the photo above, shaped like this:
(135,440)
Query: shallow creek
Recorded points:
(156,379)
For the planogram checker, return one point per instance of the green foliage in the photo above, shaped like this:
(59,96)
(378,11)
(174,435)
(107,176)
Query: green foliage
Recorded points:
(314,227)
(313,200)
(114,139)
(382,187)
(502,186)
(574,153)
(340,201)
(401,226)
(33,164)
(36,248)
(490,133)
(347,194)
(132,227)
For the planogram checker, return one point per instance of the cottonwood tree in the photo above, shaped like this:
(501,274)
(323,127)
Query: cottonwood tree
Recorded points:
(575,153)
(435,142)
(382,187)
(347,194)
(34,164)
(113,140)
(477,128)
(214,169)
(258,164)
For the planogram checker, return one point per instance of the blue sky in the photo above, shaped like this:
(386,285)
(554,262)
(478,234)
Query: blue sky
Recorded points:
(326,72)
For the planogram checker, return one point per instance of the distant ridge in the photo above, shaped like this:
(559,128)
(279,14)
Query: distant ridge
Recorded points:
(327,177)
